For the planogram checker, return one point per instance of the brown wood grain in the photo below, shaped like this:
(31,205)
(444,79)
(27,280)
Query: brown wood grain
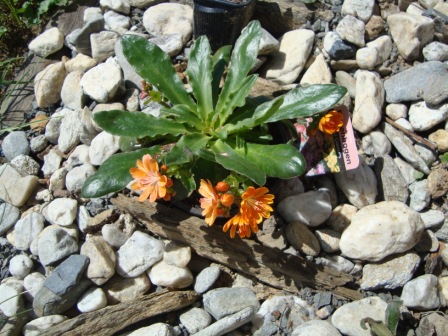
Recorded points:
(270,266)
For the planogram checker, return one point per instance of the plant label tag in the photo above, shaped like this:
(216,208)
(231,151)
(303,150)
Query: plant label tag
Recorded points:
(328,153)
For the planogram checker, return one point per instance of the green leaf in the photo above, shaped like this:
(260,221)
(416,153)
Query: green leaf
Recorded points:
(242,60)
(113,175)
(393,315)
(186,148)
(136,124)
(183,114)
(308,101)
(155,66)
(282,161)
(221,59)
(232,160)
(200,74)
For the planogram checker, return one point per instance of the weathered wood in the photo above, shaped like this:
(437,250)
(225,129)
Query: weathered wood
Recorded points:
(111,319)
(268,265)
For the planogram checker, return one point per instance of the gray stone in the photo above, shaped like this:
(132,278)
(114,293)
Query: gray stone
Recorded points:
(9,215)
(302,239)
(38,143)
(436,51)
(228,323)
(391,273)
(26,229)
(428,242)
(139,253)
(206,278)
(77,176)
(420,196)
(268,43)
(393,186)
(130,76)
(15,144)
(431,218)
(405,147)
(79,39)
(421,293)
(311,208)
(347,318)
(428,80)
(54,244)
(222,302)
(316,327)
(336,48)
(195,320)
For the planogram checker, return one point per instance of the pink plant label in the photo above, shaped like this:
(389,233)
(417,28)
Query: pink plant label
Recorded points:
(328,153)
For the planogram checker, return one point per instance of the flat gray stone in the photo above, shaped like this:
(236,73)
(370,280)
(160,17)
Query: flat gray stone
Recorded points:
(15,144)
(9,215)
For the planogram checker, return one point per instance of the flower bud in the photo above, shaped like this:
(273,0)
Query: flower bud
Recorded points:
(222,187)
(227,200)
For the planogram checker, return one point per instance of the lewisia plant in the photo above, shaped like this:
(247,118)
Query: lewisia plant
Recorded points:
(215,142)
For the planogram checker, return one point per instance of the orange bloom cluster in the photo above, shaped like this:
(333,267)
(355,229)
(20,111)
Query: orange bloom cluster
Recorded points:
(216,201)
(254,207)
(149,180)
(331,122)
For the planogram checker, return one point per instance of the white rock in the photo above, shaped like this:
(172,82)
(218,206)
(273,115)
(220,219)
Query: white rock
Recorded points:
(54,244)
(345,79)
(20,266)
(421,293)
(52,162)
(25,165)
(409,173)
(195,319)
(91,13)
(81,63)
(62,211)
(139,253)
(422,117)
(71,94)
(369,101)
(352,30)
(163,274)
(103,146)
(53,128)
(287,63)
(116,22)
(102,259)
(103,45)
(436,51)
(337,263)
(38,143)
(101,83)
(14,188)
(48,84)
(120,289)
(10,299)
(347,318)
(341,216)
(142,3)
(329,240)
(382,229)
(392,273)
(26,229)
(358,185)
(363,9)
(47,43)
(375,53)
(268,43)
(311,208)
(410,33)
(93,299)
(77,176)
(432,218)
(159,329)
(41,324)
(121,6)
(396,111)
(316,327)
(70,130)
(177,255)
(420,196)
(32,283)
(318,73)
(169,18)
(376,143)
(79,156)
(172,44)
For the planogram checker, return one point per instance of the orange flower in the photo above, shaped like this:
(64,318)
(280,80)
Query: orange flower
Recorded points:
(222,187)
(331,122)
(210,201)
(254,207)
(149,181)
(227,200)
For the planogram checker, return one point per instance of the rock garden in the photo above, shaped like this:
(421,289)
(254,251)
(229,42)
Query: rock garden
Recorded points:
(349,239)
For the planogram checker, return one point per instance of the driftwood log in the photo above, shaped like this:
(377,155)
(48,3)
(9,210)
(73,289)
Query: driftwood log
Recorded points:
(270,266)
(111,319)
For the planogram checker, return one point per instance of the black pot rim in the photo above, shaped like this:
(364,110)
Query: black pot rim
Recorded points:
(222,3)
